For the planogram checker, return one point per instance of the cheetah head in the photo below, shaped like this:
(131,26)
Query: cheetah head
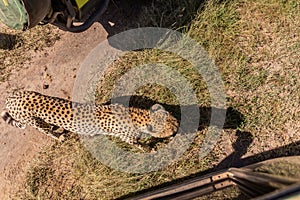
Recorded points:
(162,123)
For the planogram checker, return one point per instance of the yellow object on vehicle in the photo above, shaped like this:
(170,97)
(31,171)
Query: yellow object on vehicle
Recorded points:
(81,3)
(5,2)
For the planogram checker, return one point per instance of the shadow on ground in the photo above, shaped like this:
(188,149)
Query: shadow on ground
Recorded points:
(233,118)
(8,41)
(122,15)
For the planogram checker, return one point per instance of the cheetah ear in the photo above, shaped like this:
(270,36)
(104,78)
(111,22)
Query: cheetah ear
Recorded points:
(156,107)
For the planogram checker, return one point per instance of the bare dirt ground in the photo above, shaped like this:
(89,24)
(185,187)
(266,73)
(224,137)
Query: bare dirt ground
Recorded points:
(51,71)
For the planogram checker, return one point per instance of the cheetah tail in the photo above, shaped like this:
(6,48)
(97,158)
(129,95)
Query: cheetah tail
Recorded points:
(11,121)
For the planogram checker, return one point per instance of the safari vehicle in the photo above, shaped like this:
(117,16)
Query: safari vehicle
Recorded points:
(68,15)
(272,179)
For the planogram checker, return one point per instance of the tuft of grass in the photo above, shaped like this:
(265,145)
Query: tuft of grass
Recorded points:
(255,45)
(67,170)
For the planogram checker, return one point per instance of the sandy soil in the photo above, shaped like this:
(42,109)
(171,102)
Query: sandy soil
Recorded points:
(53,68)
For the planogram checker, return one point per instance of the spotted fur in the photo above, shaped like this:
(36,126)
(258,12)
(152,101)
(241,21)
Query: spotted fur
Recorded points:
(43,112)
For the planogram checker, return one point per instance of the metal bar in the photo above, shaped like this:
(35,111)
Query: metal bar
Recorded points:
(196,192)
(250,188)
(196,186)
(252,184)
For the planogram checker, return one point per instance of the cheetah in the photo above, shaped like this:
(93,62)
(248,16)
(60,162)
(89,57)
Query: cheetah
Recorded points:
(128,123)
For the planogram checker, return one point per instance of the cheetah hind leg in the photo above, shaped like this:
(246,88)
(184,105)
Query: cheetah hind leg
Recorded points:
(11,121)
(45,128)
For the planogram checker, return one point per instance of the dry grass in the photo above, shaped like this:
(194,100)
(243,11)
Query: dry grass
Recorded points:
(255,44)
(258,56)
(16,47)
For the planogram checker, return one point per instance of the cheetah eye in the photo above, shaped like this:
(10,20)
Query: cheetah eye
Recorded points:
(150,128)
(156,107)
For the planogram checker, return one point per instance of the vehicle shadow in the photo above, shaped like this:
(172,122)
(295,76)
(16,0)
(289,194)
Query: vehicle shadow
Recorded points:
(122,15)
(7,41)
